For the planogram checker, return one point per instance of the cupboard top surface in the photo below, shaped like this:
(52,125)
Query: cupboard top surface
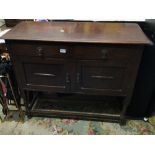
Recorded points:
(83,32)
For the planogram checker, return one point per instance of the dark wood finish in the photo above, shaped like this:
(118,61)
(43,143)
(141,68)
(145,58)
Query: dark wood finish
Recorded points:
(85,32)
(48,75)
(39,49)
(81,58)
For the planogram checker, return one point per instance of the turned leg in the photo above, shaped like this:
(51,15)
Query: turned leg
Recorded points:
(123,113)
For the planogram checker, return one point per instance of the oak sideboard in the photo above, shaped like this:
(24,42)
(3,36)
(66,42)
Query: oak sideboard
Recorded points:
(76,58)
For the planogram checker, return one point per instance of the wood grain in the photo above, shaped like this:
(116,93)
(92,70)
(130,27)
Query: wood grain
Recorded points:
(90,32)
(101,59)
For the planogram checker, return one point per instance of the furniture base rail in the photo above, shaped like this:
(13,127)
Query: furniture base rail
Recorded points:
(74,106)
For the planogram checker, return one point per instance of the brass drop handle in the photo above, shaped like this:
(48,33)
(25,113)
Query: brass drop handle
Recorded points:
(39,51)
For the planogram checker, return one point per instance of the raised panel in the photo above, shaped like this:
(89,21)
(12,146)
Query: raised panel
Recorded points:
(95,77)
(102,77)
(45,75)
(53,75)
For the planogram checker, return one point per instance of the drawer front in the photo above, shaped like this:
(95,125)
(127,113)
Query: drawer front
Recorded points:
(109,54)
(41,50)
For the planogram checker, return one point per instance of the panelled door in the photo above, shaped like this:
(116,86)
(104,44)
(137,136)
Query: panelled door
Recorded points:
(96,77)
(45,75)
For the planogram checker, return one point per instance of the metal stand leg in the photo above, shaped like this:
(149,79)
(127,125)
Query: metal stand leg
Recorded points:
(21,114)
(4,100)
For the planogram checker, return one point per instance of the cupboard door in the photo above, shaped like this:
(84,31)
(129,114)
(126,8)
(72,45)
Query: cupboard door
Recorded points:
(96,77)
(41,75)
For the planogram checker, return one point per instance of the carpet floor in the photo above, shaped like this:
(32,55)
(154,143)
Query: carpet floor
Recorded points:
(54,126)
(47,126)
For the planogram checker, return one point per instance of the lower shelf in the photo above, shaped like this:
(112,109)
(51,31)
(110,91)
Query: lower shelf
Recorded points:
(78,107)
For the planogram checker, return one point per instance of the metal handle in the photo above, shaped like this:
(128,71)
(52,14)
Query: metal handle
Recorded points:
(67,78)
(44,74)
(39,51)
(102,77)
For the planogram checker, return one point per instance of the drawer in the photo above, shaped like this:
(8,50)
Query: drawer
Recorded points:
(106,53)
(41,49)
